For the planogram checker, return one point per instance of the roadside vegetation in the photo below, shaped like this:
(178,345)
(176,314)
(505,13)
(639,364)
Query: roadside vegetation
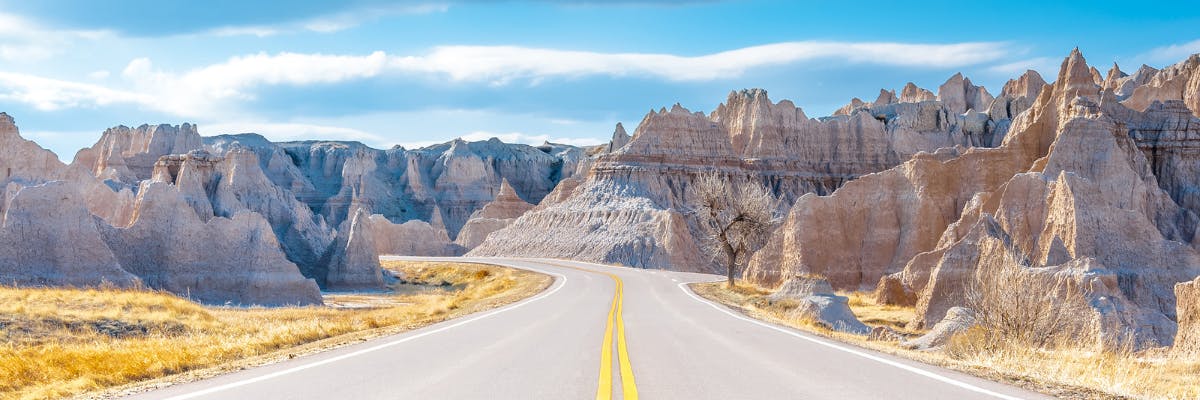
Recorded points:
(62,342)
(1059,367)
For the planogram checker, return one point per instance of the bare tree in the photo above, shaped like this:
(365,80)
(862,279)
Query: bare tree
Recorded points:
(737,221)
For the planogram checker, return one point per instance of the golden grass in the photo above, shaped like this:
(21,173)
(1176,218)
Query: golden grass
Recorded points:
(1065,373)
(61,342)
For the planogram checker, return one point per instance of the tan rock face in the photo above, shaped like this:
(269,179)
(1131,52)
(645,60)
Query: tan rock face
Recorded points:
(412,238)
(1071,192)
(631,207)
(127,155)
(1187,339)
(495,216)
(1176,82)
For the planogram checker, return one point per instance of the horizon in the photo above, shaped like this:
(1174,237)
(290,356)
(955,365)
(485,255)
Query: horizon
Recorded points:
(420,73)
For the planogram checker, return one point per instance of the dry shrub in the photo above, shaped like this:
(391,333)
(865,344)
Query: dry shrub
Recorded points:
(1017,305)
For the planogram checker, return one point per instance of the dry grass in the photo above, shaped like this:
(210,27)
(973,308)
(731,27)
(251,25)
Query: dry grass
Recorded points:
(1063,372)
(61,342)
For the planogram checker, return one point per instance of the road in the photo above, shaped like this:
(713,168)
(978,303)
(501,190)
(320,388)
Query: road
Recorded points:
(553,346)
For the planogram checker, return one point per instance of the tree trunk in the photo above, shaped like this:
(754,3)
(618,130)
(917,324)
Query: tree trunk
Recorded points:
(730,269)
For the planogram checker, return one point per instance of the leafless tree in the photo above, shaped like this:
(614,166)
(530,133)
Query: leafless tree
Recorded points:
(737,221)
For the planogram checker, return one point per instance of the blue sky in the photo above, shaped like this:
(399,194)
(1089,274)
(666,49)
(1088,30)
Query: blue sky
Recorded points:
(421,72)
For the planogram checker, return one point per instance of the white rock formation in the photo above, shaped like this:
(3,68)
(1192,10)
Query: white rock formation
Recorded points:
(817,302)
(498,214)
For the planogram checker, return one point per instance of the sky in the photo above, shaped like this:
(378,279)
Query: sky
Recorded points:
(414,73)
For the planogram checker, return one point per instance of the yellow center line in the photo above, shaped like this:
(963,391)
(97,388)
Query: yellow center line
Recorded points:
(604,389)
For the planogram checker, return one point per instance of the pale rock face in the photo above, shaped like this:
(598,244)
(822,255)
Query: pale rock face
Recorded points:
(619,138)
(817,302)
(911,93)
(629,209)
(958,319)
(960,95)
(1180,81)
(1077,159)
(497,215)
(412,238)
(354,262)
(127,155)
(48,238)
(225,260)
(1187,310)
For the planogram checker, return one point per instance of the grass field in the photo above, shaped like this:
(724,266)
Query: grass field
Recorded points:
(62,342)
(1065,372)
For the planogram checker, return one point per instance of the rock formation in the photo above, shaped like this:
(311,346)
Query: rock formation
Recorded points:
(957,320)
(412,238)
(630,208)
(817,302)
(48,238)
(1070,193)
(498,214)
(354,262)
(1187,339)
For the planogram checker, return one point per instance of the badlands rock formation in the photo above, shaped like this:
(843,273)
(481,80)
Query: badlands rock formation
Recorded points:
(630,207)
(55,236)
(1072,193)
(817,302)
(497,215)
(1187,295)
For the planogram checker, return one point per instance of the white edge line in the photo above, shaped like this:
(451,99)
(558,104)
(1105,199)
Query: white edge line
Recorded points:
(561,281)
(909,368)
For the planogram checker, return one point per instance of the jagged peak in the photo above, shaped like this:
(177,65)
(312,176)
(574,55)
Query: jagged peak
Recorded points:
(1115,72)
(1075,72)
(619,130)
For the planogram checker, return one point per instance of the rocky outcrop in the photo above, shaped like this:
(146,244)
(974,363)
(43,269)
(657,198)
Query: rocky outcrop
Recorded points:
(1187,310)
(817,302)
(619,138)
(354,262)
(127,155)
(48,238)
(959,95)
(957,320)
(411,238)
(630,208)
(1180,81)
(1070,193)
(497,215)
(224,260)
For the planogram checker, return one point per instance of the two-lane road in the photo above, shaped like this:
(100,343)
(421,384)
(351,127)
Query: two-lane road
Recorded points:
(662,341)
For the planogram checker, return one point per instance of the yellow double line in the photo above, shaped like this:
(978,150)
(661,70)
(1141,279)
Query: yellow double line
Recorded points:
(605,385)
(604,389)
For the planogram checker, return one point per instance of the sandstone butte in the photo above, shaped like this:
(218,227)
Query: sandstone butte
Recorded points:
(1091,178)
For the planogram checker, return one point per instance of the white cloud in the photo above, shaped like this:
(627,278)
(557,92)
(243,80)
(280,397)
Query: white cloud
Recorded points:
(99,74)
(502,64)
(24,40)
(331,23)
(51,94)
(1173,53)
(1043,65)
(288,131)
(221,88)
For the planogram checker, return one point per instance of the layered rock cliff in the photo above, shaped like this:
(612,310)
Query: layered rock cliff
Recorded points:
(631,206)
(1082,188)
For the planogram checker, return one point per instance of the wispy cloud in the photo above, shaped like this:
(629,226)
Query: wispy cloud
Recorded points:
(221,87)
(502,64)
(25,40)
(286,131)
(1043,65)
(330,23)
(1172,53)
(51,94)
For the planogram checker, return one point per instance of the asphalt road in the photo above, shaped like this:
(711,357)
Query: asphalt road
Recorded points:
(553,345)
